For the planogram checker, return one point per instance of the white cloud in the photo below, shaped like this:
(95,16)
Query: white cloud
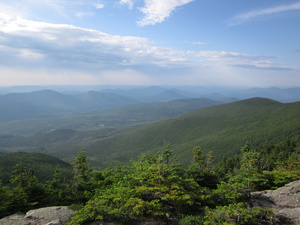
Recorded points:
(241,18)
(55,9)
(236,59)
(127,2)
(84,14)
(195,42)
(198,43)
(39,51)
(156,11)
(66,45)
(99,5)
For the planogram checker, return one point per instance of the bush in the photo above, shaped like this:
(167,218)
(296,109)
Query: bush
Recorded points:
(238,214)
(191,220)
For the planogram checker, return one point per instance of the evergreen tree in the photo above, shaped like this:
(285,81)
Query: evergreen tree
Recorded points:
(82,185)
(28,192)
(150,188)
(5,200)
(201,168)
(59,191)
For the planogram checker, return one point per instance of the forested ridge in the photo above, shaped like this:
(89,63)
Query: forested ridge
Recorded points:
(157,188)
(198,168)
(222,129)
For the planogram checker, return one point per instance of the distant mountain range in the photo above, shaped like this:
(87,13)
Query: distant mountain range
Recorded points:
(52,104)
(115,124)
(49,104)
(222,128)
(119,116)
(151,93)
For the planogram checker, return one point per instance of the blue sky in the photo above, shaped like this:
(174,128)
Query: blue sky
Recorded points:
(150,42)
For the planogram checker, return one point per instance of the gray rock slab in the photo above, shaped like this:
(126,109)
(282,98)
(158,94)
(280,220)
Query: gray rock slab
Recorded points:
(285,201)
(14,220)
(48,214)
(56,215)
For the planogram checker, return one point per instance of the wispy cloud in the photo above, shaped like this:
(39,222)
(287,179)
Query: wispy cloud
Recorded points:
(69,46)
(244,17)
(84,14)
(156,11)
(153,11)
(236,59)
(71,51)
(37,9)
(99,5)
(195,42)
(127,2)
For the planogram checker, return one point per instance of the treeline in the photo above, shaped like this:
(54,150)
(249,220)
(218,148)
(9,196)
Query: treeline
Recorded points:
(157,188)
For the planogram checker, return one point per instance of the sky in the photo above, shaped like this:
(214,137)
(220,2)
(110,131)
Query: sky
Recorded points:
(150,42)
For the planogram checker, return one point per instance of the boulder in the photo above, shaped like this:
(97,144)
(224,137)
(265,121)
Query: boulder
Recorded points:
(15,219)
(56,215)
(285,202)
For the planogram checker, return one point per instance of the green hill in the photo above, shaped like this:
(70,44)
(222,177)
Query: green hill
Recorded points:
(113,117)
(43,166)
(222,129)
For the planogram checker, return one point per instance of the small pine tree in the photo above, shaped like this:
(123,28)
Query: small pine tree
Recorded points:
(83,186)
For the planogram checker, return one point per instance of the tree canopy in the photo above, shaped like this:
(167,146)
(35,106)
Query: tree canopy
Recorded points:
(156,187)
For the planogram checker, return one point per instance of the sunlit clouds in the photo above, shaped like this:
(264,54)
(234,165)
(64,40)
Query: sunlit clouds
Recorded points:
(129,42)
(156,11)
(40,45)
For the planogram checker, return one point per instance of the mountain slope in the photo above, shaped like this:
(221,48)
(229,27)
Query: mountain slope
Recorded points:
(41,165)
(49,104)
(282,95)
(64,137)
(112,117)
(149,112)
(36,104)
(222,129)
(93,100)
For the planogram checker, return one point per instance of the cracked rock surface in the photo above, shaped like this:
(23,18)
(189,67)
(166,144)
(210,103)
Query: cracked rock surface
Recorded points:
(285,201)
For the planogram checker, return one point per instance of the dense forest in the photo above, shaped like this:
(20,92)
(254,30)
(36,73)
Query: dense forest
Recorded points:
(122,134)
(158,188)
(185,162)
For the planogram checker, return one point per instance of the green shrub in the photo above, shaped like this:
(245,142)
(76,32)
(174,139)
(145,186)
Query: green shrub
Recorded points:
(191,220)
(237,214)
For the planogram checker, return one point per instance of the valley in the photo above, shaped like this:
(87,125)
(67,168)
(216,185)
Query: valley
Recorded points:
(114,127)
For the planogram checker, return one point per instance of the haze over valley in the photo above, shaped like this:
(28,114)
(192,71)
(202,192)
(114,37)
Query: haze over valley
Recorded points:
(117,124)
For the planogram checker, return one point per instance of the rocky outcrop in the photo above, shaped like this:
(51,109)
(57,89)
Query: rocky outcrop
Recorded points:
(285,202)
(44,216)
